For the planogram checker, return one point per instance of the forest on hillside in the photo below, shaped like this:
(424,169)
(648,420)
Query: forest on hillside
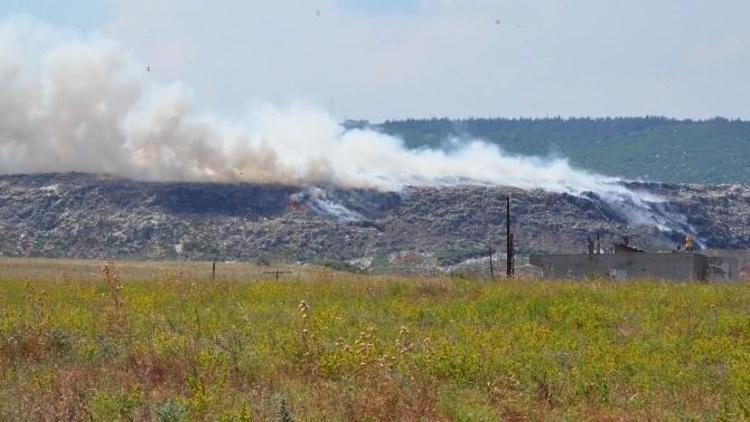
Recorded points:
(646,148)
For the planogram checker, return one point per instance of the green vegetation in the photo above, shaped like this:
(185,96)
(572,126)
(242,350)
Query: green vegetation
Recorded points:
(343,267)
(650,148)
(334,346)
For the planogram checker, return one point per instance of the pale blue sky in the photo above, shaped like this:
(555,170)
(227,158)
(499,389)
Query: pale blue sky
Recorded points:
(90,15)
(381,59)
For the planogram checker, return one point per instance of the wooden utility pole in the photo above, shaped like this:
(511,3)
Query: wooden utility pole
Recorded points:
(492,269)
(213,271)
(509,239)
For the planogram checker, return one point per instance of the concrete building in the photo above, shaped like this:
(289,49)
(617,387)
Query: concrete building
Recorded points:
(629,263)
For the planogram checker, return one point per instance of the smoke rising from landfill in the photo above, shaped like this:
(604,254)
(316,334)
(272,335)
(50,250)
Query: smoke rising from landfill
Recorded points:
(74,102)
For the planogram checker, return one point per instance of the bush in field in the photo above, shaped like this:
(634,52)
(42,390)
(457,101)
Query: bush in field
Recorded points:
(343,267)
(171,411)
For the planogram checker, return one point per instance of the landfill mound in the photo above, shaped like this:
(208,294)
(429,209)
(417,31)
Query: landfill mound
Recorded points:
(420,229)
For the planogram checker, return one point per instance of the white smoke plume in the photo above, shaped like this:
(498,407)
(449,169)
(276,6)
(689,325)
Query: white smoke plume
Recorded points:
(72,102)
(82,103)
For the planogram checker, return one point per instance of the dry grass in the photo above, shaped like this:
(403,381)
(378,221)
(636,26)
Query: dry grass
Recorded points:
(157,341)
(87,270)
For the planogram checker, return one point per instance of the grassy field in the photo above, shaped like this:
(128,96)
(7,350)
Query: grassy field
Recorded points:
(158,341)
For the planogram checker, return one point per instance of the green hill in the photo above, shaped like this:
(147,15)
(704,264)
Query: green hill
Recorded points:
(649,148)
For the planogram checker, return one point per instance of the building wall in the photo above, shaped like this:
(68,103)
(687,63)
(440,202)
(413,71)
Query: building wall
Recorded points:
(722,268)
(668,266)
(736,262)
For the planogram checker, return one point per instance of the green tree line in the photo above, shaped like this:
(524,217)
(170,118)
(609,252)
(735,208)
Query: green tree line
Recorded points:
(643,148)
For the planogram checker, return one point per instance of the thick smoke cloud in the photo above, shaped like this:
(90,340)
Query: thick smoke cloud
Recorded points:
(82,103)
(72,102)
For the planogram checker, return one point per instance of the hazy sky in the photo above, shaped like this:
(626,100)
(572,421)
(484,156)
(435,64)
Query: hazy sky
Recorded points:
(380,59)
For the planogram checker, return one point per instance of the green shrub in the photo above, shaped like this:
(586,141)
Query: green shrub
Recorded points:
(172,411)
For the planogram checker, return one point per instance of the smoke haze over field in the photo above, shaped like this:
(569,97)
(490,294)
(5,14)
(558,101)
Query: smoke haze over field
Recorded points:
(75,102)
